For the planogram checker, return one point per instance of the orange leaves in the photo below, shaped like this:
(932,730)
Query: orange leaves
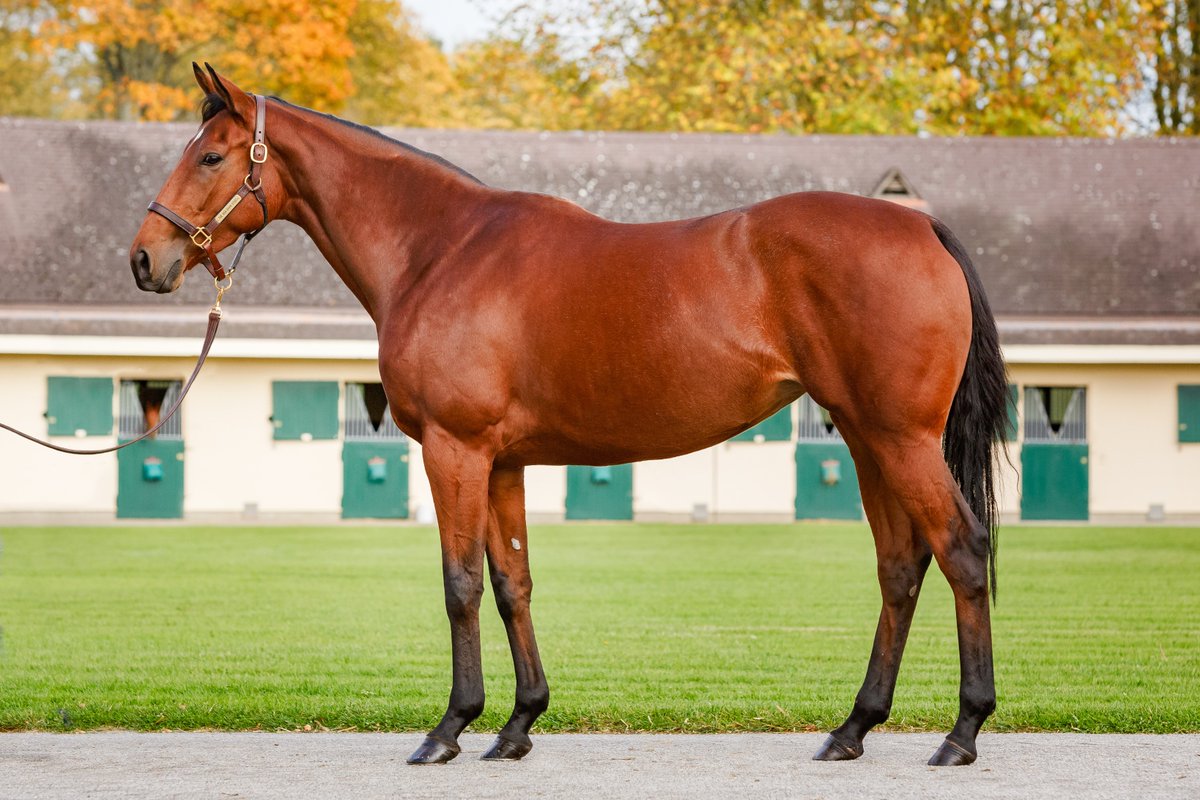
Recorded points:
(137,52)
(151,101)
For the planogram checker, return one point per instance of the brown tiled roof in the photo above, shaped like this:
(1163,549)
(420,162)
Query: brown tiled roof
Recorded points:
(1058,227)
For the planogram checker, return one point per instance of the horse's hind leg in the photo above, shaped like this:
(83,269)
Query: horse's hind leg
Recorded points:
(458,477)
(508,561)
(917,475)
(902,558)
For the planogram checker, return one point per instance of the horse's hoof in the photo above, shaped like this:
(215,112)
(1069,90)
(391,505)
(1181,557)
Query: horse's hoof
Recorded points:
(951,755)
(835,750)
(434,751)
(505,749)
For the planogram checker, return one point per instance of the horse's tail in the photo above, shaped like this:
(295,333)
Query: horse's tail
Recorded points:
(979,413)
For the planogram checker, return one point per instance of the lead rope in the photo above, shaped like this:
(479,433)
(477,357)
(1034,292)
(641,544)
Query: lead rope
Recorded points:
(214,320)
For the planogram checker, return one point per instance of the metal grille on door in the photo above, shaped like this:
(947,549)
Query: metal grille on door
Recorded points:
(1056,414)
(140,405)
(367,415)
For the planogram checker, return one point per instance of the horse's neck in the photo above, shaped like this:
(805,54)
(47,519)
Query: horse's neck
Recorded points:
(377,212)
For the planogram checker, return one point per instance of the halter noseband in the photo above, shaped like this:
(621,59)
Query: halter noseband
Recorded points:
(202,236)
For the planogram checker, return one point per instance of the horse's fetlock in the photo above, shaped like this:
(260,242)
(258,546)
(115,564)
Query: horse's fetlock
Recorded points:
(533,702)
(469,710)
(978,703)
(872,712)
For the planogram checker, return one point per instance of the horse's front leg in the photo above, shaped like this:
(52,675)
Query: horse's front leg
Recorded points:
(508,561)
(458,476)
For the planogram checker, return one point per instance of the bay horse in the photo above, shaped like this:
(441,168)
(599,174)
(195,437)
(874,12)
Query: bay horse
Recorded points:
(519,329)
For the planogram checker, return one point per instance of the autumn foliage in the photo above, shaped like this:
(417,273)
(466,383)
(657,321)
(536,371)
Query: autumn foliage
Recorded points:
(1023,67)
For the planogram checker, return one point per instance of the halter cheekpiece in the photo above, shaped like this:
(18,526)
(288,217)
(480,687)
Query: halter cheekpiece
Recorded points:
(202,236)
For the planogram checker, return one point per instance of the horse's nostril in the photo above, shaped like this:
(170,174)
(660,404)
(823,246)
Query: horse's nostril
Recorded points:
(141,264)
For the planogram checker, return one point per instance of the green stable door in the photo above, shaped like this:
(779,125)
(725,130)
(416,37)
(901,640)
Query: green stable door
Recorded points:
(1054,455)
(150,480)
(374,457)
(150,473)
(600,492)
(826,481)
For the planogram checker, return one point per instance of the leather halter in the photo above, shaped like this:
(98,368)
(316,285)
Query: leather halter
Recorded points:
(202,236)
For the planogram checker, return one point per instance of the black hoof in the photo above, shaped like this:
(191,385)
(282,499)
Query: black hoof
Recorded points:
(434,751)
(835,750)
(505,749)
(951,755)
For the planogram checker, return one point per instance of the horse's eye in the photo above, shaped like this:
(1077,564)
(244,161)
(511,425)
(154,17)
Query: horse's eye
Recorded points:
(211,159)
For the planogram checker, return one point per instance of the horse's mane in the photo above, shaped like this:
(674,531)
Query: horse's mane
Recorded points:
(214,104)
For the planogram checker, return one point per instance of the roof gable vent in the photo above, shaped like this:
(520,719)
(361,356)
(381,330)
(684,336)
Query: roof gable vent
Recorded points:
(898,189)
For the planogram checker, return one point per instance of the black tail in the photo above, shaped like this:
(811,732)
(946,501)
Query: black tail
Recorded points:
(979,413)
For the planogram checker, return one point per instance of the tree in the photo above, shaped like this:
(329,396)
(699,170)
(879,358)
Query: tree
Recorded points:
(507,84)
(1174,66)
(1029,67)
(901,66)
(28,87)
(138,51)
(399,76)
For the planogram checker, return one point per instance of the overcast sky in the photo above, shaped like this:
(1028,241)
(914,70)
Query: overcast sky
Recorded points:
(454,21)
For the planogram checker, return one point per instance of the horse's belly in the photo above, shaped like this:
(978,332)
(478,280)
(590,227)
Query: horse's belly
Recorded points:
(669,417)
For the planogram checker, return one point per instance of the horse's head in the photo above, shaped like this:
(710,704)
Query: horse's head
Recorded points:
(200,210)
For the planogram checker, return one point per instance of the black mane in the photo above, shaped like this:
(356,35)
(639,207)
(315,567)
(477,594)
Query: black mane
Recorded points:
(214,104)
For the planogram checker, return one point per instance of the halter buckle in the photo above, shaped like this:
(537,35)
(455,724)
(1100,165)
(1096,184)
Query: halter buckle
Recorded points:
(254,151)
(201,238)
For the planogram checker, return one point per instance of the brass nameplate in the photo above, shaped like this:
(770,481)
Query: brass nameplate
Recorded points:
(227,210)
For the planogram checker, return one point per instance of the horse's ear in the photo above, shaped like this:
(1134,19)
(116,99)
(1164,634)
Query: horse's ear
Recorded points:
(202,79)
(240,104)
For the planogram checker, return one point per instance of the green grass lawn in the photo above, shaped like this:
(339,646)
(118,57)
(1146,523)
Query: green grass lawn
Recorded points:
(642,627)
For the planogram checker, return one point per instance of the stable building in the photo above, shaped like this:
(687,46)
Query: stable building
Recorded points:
(1089,249)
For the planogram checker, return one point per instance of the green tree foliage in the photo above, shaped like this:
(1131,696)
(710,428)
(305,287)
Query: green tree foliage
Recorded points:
(400,77)
(27,85)
(1174,73)
(940,66)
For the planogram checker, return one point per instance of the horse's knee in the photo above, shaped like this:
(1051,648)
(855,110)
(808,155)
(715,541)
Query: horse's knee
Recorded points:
(463,593)
(512,593)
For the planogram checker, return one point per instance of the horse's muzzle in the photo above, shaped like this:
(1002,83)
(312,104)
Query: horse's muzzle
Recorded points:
(141,264)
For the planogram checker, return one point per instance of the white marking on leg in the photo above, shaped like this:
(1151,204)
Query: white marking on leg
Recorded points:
(516,544)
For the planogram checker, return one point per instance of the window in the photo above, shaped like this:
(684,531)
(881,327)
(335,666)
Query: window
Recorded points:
(1189,413)
(304,410)
(79,406)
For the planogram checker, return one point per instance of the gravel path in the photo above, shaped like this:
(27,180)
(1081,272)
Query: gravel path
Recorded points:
(344,765)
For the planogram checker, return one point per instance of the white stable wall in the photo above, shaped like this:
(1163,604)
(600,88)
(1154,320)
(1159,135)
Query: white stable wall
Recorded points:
(232,460)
